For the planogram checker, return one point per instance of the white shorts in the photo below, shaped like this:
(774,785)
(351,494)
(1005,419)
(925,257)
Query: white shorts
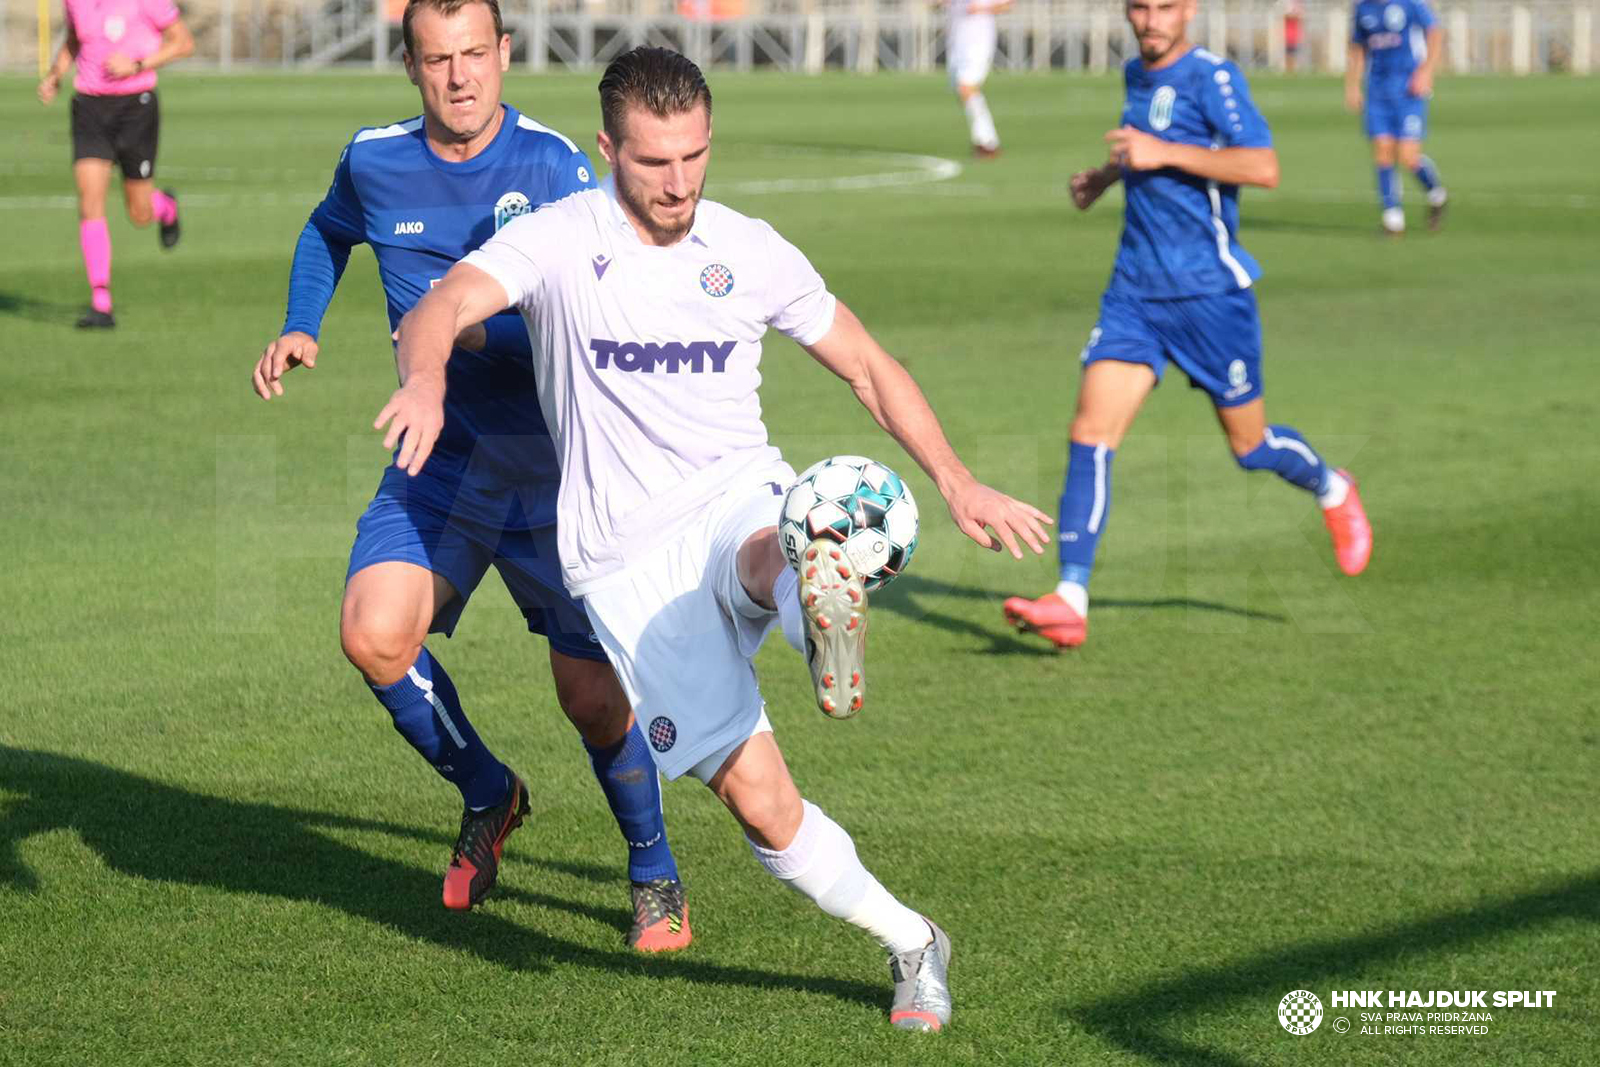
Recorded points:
(680,630)
(969,49)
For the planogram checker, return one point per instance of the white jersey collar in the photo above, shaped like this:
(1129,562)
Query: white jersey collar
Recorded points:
(618,219)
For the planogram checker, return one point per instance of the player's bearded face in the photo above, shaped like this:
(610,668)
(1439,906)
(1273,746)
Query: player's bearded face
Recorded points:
(1160,25)
(659,166)
(459,66)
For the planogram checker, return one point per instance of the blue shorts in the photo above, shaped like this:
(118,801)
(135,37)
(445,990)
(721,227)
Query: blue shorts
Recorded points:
(457,536)
(1404,118)
(1215,339)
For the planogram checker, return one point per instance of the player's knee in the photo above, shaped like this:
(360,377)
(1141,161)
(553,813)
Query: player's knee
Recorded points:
(1088,429)
(598,712)
(382,650)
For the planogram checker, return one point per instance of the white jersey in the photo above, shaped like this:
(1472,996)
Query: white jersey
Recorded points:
(648,360)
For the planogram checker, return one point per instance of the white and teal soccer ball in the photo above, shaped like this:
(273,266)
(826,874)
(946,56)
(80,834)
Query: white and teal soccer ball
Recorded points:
(859,503)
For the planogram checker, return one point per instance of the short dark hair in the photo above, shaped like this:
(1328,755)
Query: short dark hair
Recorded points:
(445,8)
(662,81)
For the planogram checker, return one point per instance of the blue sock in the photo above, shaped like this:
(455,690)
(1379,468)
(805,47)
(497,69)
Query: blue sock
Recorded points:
(1085,501)
(1284,451)
(1427,173)
(627,774)
(1388,187)
(428,714)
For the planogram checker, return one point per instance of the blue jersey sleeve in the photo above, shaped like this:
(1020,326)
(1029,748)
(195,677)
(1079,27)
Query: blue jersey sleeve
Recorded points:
(506,336)
(1358,36)
(570,174)
(323,251)
(1235,120)
(1422,15)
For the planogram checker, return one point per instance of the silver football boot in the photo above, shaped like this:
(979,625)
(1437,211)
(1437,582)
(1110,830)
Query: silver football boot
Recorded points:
(835,605)
(922,985)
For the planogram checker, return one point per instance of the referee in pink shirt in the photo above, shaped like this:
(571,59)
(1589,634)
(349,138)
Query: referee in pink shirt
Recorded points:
(118,44)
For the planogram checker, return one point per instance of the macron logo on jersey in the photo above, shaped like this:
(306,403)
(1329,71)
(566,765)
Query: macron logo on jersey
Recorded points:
(673,356)
(402,229)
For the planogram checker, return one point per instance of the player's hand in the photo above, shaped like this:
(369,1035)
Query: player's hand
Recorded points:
(1136,149)
(49,85)
(1087,185)
(414,415)
(1421,85)
(120,66)
(293,349)
(1352,98)
(977,509)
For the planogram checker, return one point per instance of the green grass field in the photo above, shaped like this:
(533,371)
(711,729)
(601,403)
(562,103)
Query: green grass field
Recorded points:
(1258,776)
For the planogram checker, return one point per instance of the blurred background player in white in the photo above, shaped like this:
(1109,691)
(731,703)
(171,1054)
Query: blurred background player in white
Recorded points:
(118,46)
(423,193)
(647,306)
(970,36)
(1181,290)
(1395,44)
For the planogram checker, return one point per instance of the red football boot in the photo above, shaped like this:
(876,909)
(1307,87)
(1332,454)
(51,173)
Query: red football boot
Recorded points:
(475,861)
(1352,533)
(1050,617)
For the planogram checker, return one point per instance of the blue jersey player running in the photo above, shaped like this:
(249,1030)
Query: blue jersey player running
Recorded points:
(1396,43)
(423,193)
(1181,292)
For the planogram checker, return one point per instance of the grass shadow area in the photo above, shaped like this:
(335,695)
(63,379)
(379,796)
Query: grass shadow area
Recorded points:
(147,829)
(1138,1021)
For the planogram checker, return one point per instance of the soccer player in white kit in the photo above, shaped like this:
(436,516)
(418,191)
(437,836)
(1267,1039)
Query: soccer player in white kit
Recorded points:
(646,306)
(970,36)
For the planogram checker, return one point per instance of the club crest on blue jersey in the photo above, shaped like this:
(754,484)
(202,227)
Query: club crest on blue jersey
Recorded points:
(1394,17)
(716,280)
(663,733)
(509,207)
(1161,107)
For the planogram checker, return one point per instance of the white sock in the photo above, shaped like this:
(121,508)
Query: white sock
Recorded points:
(980,122)
(821,863)
(1076,596)
(786,594)
(1338,489)
(1437,196)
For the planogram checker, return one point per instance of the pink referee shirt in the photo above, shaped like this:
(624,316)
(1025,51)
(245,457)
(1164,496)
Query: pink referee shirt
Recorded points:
(107,27)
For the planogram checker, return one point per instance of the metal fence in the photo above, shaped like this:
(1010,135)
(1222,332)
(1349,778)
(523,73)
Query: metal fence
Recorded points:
(1481,36)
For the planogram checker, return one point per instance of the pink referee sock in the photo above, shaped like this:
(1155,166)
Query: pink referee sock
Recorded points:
(165,208)
(95,240)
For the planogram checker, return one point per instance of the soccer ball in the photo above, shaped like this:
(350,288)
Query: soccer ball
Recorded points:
(859,503)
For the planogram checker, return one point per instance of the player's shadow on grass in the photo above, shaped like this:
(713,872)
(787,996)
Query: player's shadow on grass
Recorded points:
(1296,224)
(33,309)
(919,600)
(1144,1021)
(147,829)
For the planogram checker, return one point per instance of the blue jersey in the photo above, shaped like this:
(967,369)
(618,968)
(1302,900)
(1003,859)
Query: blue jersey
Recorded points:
(1179,231)
(1394,34)
(421,214)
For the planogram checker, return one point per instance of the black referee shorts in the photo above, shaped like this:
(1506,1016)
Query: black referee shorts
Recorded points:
(123,129)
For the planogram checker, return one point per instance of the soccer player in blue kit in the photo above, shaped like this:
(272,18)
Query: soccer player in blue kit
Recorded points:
(1180,291)
(1396,42)
(424,193)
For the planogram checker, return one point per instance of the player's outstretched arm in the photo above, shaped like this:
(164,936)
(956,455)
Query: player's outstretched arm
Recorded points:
(50,84)
(887,391)
(1421,84)
(1137,150)
(415,413)
(1355,62)
(1088,185)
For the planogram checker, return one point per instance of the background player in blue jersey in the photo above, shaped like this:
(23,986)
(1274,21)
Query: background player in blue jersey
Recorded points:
(1180,291)
(423,193)
(1396,43)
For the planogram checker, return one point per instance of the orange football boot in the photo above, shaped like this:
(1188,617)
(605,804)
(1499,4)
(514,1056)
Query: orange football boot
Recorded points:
(660,917)
(1050,617)
(475,861)
(1352,533)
